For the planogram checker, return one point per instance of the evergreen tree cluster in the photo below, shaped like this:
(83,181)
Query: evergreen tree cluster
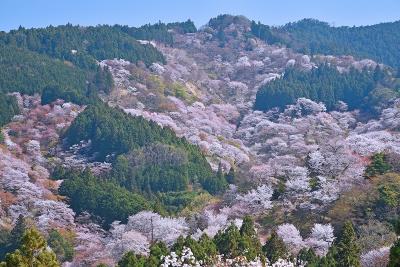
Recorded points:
(149,158)
(159,32)
(61,62)
(323,84)
(33,251)
(378,166)
(8,108)
(28,72)
(233,242)
(152,167)
(100,197)
(25,246)
(82,45)
(379,42)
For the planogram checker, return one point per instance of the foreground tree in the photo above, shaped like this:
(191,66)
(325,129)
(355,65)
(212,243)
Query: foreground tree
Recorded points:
(228,242)
(250,242)
(275,248)
(348,252)
(131,260)
(61,246)
(33,252)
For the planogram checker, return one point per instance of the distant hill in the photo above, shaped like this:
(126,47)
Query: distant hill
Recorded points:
(380,42)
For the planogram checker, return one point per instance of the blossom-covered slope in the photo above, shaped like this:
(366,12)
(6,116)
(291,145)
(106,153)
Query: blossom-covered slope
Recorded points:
(295,168)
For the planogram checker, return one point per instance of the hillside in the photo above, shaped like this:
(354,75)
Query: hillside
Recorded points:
(235,143)
(378,42)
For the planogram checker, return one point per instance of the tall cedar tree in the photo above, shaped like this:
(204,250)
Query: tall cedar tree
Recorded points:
(348,252)
(275,248)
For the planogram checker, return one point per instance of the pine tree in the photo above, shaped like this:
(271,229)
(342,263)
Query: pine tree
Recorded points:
(131,260)
(178,245)
(348,252)
(32,252)
(250,242)
(275,248)
(307,256)
(209,248)
(157,250)
(328,261)
(228,242)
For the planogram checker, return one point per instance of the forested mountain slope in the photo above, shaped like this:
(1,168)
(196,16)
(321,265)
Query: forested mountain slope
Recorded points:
(379,42)
(236,144)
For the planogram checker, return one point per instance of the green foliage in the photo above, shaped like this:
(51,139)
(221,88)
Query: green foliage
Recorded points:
(61,61)
(250,243)
(329,259)
(389,196)
(174,202)
(157,250)
(153,168)
(131,260)
(324,84)
(209,248)
(14,239)
(204,249)
(234,242)
(378,165)
(275,248)
(8,108)
(82,45)
(61,246)
(100,197)
(348,252)
(221,22)
(378,42)
(159,32)
(27,72)
(309,256)
(183,27)
(394,258)
(264,32)
(228,241)
(111,131)
(32,252)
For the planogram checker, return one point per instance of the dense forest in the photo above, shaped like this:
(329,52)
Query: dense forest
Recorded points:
(380,42)
(112,132)
(147,160)
(323,84)
(29,73)
(159,32)
(102,198)
(82,45)
(8,108)
(60,62)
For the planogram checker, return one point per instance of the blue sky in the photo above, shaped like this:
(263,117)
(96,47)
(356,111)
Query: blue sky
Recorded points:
(39,13)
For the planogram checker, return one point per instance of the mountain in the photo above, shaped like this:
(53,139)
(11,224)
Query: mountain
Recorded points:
(378,42)
(124,144)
